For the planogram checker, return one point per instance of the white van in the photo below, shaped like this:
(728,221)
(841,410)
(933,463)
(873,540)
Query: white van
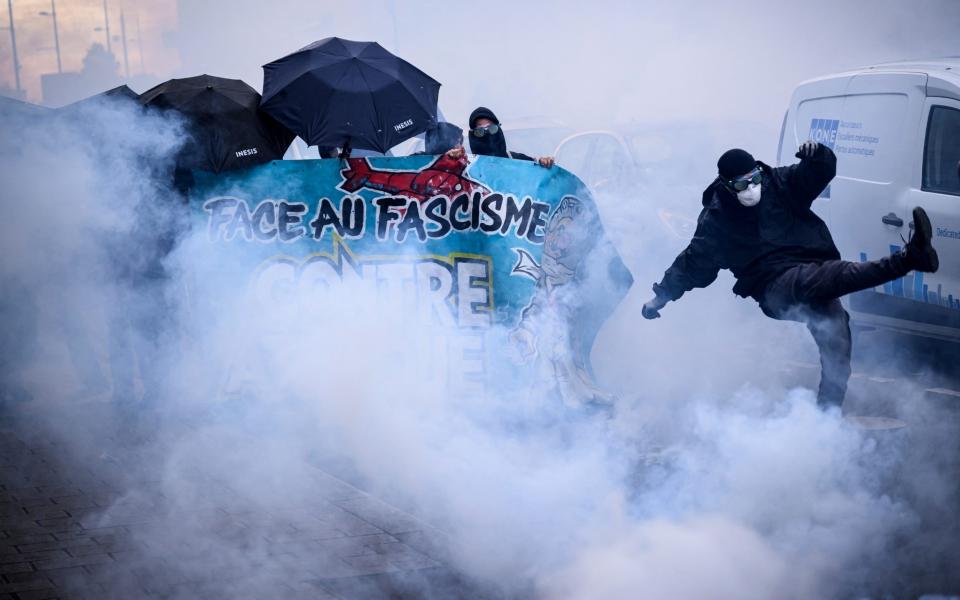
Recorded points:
(895,129)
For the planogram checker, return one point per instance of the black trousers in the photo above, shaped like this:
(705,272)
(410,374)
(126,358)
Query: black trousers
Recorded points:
(810,294)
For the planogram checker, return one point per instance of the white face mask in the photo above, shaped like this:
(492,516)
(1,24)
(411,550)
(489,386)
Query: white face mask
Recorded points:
(750,196)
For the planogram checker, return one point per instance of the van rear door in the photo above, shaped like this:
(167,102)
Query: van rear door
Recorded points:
(936,187)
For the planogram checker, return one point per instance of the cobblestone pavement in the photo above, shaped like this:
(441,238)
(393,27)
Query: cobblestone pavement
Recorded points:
(71,528)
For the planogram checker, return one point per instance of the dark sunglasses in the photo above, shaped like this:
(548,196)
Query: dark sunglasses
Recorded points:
(479,132)
(744,182)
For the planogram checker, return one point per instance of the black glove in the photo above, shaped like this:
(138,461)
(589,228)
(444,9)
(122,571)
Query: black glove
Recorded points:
(651,309)
(807,149)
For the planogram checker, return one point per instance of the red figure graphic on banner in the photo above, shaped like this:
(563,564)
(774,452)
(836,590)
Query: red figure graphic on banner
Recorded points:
(442,177)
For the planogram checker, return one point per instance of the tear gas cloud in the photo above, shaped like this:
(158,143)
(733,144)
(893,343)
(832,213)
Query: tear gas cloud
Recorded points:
(713,476)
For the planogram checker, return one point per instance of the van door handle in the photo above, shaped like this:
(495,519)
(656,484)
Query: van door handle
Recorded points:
(892,219)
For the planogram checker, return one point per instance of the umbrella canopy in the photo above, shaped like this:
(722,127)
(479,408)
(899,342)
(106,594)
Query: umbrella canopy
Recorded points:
(17,110)
(17,121)
(121,93)
(337,92)
(227,130)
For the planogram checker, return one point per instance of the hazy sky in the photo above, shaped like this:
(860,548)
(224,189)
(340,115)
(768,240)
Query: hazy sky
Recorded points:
(587,64)
(77,21)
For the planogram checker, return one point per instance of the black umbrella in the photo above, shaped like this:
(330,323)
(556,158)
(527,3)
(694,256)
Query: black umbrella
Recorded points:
(226,128)
(76,110)
(17,110)
(337,92)
(17,119)
(121,93)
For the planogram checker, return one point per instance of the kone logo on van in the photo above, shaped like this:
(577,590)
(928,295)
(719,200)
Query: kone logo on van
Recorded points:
(824,131)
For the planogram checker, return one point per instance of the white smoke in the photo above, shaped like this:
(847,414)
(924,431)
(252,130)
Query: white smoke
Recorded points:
(713,478)
(681,492)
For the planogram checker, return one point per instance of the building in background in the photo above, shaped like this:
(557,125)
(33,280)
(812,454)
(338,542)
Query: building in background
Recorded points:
(100,72)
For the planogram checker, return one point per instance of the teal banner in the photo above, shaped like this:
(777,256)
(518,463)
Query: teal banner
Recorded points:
(507,257)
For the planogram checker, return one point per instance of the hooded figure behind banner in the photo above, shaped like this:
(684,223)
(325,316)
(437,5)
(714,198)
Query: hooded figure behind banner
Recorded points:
(441,138)
(491,144)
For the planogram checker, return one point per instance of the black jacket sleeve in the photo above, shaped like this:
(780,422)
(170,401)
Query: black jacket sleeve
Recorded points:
(807,179)
(695,267)
(520,156)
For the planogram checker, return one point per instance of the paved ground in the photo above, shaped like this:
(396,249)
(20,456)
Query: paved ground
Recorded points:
(76,522)
(70,528)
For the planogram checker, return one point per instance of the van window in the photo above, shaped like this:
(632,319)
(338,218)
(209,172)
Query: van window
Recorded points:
(941,155)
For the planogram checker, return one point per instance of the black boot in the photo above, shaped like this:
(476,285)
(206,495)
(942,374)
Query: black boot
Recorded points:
(919,253)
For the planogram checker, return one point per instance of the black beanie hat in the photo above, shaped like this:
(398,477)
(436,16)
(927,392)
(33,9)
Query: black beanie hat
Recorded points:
(482,112)
(735,162)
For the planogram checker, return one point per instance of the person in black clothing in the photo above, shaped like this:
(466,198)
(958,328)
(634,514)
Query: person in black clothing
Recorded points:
(487,139)
(442,138)
(757,222)
(142,323)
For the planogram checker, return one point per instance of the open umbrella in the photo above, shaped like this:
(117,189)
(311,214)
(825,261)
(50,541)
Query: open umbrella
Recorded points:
(337,92)
(18,111)
(77,112)
(17,122)
(121,93)
(227,130)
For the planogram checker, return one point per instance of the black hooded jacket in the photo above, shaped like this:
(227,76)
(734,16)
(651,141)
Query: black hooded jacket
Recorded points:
(491,145)
(758,243)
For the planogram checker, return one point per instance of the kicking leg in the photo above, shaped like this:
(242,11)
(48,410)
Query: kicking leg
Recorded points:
(813,283)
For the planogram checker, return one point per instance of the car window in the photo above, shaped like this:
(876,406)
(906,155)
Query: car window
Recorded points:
(941,155)
(574,155)
(608,161)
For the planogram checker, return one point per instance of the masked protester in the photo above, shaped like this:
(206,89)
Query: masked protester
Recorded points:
(487,139)
(757,222)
